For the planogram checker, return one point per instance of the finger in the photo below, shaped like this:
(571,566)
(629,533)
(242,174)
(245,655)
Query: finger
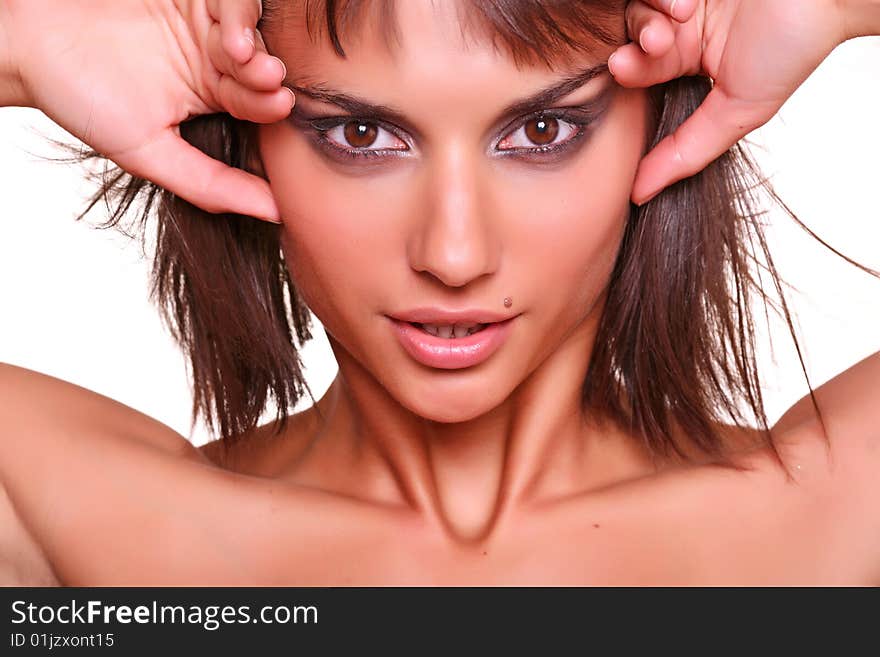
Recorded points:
(653,30)
(716,125)
(263,72)
(238,22)
(255,106)
(631,67)
(203,181)
(680,10)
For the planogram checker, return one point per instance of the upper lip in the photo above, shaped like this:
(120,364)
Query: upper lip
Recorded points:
(446,316)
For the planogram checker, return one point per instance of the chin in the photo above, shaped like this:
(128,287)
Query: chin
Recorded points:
(450,414)
(452,403)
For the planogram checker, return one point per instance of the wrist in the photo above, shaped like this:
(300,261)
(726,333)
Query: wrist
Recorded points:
(12,88)
(859,17)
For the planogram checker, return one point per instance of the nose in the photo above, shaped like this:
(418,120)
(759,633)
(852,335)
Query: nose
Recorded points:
(454,240)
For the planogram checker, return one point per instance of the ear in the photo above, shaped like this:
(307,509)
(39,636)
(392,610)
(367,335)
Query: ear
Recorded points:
(249,144)
(254,161)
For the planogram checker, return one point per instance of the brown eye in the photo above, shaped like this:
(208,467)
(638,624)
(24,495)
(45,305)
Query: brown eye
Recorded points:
(542,130)
(360,134)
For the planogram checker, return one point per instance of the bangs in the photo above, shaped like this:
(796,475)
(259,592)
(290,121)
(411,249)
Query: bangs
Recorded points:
(531,32)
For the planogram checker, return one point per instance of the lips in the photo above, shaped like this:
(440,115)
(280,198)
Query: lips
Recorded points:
(451,340)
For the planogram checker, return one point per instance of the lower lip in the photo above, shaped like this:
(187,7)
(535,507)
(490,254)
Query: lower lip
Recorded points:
(452,353)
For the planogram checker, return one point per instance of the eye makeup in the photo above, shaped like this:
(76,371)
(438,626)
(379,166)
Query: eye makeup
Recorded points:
(318,131)
(573,123)
(581,119)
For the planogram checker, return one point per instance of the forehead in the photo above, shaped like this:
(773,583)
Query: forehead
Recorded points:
(428,56)
(526,34)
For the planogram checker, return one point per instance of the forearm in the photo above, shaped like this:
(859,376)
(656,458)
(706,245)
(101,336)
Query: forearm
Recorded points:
(861,17)
(12,90)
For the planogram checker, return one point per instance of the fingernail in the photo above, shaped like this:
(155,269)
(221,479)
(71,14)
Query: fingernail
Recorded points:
(672,8)
(283,69)
(292,97)
(249,37)
(610,60)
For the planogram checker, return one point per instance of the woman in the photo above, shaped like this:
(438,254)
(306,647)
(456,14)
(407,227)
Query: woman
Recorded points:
(532,368)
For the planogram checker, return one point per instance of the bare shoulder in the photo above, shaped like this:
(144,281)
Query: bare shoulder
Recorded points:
(849,405)
(844,458)
(31,400)
(851,418)
(64,453)
(112,497)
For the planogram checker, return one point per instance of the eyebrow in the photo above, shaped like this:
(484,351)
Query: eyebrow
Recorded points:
(539,100)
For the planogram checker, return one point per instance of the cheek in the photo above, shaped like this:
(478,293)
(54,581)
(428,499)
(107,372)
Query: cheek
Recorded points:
(335,227)
(570,222)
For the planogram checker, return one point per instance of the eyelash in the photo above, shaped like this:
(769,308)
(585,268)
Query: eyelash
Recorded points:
(580,118)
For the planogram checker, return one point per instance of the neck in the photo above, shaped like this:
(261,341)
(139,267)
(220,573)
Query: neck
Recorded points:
(468,477)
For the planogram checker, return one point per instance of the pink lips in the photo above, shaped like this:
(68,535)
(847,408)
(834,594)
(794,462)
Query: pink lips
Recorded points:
(451,353)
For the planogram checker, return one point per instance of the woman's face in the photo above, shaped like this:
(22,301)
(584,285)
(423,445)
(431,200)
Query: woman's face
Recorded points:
(448,202)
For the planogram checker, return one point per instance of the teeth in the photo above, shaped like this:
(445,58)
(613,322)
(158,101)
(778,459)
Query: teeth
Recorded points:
(452,330)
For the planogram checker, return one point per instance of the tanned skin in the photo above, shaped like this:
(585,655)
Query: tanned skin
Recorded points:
(411,475)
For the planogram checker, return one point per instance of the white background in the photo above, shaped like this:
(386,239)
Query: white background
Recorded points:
(73,300)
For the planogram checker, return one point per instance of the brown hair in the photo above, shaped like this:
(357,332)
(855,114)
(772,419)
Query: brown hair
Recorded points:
(675,350)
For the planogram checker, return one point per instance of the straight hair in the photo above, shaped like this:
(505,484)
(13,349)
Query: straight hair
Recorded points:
(675,349)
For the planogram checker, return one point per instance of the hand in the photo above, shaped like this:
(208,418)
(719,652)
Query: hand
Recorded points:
(757,52)
(121,75)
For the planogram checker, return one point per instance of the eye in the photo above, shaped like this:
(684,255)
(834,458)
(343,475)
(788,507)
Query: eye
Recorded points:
(360,135)
(541,133)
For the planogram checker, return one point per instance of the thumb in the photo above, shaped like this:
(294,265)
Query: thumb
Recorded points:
(716,125)
(184,170)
